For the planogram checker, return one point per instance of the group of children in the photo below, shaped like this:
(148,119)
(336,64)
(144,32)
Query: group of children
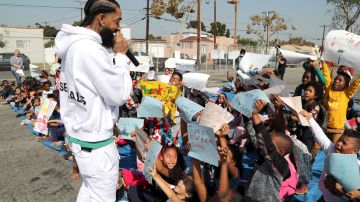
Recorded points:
(284,148)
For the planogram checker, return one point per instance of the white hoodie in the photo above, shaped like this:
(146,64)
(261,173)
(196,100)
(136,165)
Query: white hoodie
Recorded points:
(91,86)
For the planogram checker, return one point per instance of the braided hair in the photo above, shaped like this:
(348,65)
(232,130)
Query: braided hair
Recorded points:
(94,7)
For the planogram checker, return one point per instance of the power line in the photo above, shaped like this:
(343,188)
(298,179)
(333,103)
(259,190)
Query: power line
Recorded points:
(45,6)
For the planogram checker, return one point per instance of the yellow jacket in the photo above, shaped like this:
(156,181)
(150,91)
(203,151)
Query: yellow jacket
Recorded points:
(336,102)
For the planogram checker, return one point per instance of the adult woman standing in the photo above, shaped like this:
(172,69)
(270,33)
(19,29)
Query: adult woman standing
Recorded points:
(16,62)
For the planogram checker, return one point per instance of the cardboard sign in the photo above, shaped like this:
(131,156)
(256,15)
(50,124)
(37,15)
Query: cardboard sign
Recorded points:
(253,63)
(245,102)
(166,93)
(203,144)
(151,156)
(214,116)
(187,108)
(128,125)
(150,107)
(295,105)
(46,109)
(342,48)
(195,80)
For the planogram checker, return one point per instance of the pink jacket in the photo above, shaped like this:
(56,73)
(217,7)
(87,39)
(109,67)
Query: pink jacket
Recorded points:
(288,187)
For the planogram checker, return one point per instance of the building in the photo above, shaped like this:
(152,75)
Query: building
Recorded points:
(29,41)
(156,47)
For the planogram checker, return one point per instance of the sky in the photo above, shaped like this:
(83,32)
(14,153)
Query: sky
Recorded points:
(306,15)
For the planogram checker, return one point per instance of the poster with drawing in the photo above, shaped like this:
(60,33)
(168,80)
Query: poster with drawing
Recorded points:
(253,63)
(128,125)
(46,109)
(151,156)
(245,102)
(214,116)
(295,105)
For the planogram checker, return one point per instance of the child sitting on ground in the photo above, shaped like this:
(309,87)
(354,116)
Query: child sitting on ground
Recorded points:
(276,178)
(348,143)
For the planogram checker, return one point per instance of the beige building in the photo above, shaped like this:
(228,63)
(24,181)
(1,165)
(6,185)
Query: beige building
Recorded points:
(29,41)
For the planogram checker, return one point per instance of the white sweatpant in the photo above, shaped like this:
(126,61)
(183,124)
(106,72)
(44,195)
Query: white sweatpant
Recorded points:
(99,170)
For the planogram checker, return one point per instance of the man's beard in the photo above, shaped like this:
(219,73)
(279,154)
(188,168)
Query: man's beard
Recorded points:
(107,37)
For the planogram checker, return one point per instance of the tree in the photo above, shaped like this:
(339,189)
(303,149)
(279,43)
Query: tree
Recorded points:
(227,34)
(220,28)
(194,24)
(50,43)
(246,41)
(300,41)
(76,23)
(346,13)
(176,8)
(49,31)
(152,37)
(259,23)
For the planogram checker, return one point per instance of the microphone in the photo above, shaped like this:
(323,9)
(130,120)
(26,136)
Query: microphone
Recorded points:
(132,58)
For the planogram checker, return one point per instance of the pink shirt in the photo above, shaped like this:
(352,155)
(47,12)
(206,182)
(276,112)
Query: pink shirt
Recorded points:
(288,187)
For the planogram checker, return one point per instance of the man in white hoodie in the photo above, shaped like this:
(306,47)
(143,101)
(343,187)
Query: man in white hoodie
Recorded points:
(92,88)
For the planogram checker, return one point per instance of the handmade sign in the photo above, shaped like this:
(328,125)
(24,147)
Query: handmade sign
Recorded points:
(342,48)
(150,107)
(151,156)
(163,78)
(46,109)
(128,125)
(214,116)
(253,63)
(187,108)
(345,169)
(295,105)
(140,141)
(245,102)
(203,144)
(195,80)
(294,57)
(166,93)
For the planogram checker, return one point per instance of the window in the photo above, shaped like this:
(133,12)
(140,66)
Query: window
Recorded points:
(187,45)
(22,43)
(203,48)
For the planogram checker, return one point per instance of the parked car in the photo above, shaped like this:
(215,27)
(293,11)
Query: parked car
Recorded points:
(5,61)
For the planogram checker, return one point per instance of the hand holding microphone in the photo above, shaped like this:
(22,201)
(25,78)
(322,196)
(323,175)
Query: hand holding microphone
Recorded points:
(121,46)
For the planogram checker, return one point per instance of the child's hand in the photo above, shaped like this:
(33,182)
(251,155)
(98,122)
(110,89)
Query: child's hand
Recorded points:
(224,130)
(355,194)
(147,143)
(133,136)
(306,114)
(333,186)
(259,105)
(153,171)
(223,154)
(277,101)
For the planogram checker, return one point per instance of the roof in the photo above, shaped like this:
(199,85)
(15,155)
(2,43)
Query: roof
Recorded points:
(14,27)
(194,38)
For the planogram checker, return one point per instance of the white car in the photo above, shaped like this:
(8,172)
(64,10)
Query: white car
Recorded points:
(181,62)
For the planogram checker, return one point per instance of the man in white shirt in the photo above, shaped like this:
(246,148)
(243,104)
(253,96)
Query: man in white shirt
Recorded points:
(91,90)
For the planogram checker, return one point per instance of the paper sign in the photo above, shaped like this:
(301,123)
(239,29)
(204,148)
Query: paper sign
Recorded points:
(233,54)
(217,54)
(214,116)
(150,107)
(245,102)
(345,168)
(163,78)
(195,80)
(141,138)
(295,104)
(276,90)
(151,156)
(46,109)
(187,108)
(294,57)
(143,67)
(128,125)
(166,93)
(253,63)
(342,48)
(203,144)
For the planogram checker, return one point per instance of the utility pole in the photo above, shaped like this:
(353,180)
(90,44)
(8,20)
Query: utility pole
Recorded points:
(198,35)
(147,26)
(215,31)
(235,28)
(81,9)
(323,35)
(267,28)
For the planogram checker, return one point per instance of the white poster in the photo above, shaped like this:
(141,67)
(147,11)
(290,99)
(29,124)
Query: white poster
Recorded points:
(195,80)
(342,48)
(295,104)
(233,54)
(294,57)
(214,116)
(163,78)
(253,63)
